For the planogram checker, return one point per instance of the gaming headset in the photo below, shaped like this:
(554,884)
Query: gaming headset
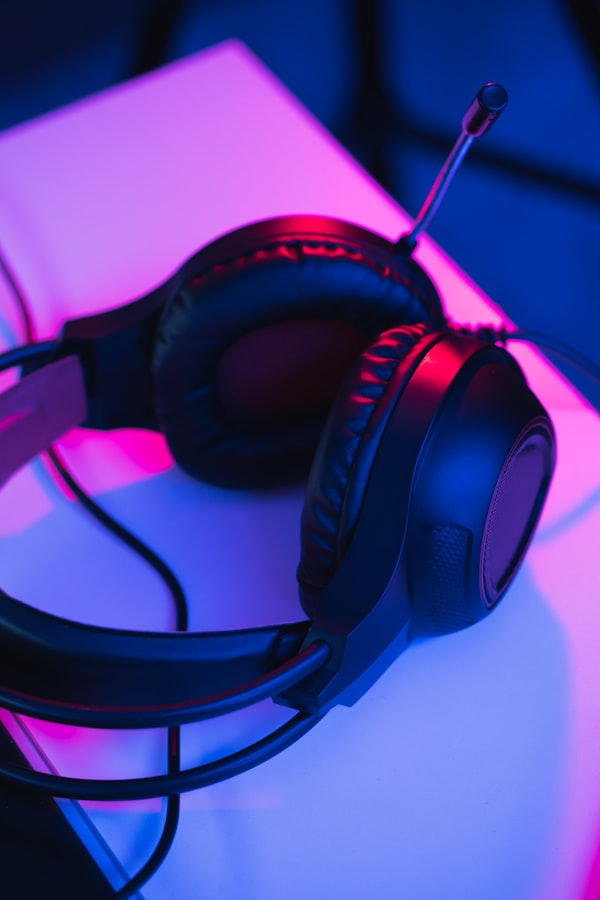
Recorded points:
(294,345)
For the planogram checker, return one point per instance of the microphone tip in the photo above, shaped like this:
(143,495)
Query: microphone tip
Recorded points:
(493,97)
(485,109)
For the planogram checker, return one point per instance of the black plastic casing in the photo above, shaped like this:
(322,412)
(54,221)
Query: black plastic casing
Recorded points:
(420,560)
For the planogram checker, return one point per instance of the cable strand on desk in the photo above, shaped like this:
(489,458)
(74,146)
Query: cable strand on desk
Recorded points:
(563,351)
(159,853)
(568,354)
(124,535)
(19,297)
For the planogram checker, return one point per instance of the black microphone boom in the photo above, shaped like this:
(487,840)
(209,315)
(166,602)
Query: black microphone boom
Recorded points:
(479,117)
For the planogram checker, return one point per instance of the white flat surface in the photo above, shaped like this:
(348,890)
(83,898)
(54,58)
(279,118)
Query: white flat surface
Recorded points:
(471,769)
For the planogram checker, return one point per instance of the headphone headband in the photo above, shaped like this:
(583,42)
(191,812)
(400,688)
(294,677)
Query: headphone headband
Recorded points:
(37,411)
(134,679)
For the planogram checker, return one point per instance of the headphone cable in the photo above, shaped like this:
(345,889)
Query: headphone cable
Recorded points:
(34,350)
(565,352)
(176,780)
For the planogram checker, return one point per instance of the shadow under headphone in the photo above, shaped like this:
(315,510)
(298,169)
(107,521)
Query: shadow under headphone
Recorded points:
(295,344)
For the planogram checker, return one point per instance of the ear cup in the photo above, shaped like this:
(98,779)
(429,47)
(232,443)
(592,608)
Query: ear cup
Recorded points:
(347,451)
(250,352)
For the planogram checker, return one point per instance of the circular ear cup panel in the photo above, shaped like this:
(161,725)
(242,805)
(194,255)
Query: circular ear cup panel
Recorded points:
(242,348)
(347,450)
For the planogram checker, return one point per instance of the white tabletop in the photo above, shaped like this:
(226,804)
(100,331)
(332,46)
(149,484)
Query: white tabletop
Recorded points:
(470,770)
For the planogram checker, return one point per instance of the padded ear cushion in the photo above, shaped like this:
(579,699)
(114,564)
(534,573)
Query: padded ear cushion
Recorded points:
(241,350)
(347,450)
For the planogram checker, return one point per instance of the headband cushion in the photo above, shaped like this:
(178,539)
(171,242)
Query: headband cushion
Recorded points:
(249,354)
(346,454)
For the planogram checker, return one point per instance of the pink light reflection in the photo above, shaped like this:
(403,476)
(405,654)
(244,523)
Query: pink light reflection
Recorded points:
(109,460)
(101,754)
(591,889)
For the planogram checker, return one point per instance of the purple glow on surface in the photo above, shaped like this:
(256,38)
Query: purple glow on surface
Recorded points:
(65,269)
(10,420)
(507,749)
(591,890)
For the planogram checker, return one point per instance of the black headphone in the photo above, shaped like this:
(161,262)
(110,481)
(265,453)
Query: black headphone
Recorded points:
(291,344)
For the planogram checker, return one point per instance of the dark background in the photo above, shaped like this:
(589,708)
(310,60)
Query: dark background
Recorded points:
(391,80)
